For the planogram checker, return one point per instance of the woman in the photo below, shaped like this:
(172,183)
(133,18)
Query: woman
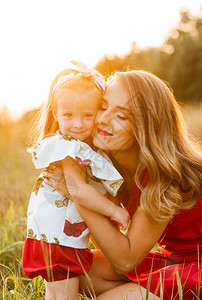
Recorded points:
(141,125)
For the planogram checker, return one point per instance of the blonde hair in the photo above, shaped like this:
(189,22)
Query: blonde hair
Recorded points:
(165,150)
(45,124)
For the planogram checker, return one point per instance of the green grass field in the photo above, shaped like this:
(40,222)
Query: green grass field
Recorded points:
(17,175)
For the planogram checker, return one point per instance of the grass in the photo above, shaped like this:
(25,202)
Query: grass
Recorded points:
(17,175)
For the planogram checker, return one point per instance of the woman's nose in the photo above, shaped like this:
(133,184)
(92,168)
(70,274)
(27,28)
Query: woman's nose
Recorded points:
(104,117)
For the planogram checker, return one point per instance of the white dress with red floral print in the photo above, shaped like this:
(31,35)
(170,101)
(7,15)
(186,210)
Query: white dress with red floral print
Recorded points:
(53,218)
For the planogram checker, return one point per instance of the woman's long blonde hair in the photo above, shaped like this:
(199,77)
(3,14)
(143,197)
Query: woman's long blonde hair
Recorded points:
(45,124)
(165,149)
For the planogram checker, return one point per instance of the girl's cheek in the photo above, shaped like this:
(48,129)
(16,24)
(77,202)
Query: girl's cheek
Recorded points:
(99,113)
(91,121)
(93,124)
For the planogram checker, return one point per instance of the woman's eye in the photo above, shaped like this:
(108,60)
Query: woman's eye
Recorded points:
(121,117)
(102,108)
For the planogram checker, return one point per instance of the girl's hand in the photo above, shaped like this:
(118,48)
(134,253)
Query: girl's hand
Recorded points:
(122,217)
(54,176)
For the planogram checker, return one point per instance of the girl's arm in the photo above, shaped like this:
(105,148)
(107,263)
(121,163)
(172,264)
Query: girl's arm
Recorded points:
(85,194)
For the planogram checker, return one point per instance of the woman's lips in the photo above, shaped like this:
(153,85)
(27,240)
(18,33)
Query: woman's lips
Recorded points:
(103,132)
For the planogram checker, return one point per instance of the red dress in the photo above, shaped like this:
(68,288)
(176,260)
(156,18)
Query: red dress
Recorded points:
(54,262)
(181,249)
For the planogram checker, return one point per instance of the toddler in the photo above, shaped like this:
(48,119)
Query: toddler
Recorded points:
(57,235)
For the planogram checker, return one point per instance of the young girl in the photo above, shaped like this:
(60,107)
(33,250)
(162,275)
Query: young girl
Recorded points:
(57,236)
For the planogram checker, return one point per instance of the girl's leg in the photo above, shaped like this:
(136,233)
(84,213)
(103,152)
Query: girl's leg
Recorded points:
(66,289)
(129,291)
(101,277)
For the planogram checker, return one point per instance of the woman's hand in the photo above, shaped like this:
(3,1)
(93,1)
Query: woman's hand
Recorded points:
(65,177)
(54,176)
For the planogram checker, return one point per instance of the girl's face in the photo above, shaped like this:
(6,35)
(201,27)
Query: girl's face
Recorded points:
(75,113)
(114,120)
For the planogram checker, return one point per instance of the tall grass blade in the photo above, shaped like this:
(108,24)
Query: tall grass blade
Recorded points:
(179,286)
(148,287)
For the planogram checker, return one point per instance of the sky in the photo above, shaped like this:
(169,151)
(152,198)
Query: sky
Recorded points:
(39,37)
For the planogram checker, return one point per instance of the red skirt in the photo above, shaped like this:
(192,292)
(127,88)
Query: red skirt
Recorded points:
(161,274)
(54,262)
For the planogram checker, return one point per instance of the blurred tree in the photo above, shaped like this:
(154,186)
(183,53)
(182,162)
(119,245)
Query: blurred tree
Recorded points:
(107,65)
(25,125)
(178,61)
(6,125)
(185,75)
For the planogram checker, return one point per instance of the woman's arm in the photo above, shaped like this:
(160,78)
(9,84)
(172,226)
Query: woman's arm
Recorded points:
(125,252)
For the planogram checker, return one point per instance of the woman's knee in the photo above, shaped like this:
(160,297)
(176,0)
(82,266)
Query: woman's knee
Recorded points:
(129,291)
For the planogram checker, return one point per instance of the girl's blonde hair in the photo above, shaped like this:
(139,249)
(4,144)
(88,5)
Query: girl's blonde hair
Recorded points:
(165,150)
(45,124)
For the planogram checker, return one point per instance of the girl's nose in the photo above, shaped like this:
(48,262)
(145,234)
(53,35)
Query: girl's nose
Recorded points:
(78,122)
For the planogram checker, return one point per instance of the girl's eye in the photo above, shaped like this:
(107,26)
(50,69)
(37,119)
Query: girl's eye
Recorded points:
(68,115)
(89,115)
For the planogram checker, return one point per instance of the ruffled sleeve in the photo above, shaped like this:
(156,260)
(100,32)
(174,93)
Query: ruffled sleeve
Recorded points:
(57,147)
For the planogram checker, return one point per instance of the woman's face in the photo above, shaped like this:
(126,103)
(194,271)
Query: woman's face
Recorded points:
(114,127)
